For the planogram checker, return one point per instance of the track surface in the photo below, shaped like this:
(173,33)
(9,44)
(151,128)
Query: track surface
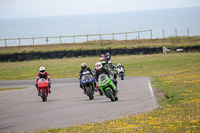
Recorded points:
(23,110)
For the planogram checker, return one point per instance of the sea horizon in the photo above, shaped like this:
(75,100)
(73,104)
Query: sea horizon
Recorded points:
(104,23)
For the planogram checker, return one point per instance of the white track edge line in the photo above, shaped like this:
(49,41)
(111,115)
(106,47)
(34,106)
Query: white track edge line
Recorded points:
(150,88)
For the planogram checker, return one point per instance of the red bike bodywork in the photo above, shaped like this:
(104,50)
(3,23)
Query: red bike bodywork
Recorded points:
(99,90)
(43,89)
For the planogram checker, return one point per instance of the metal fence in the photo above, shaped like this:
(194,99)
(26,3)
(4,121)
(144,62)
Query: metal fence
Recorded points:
(145,34)
(73,39)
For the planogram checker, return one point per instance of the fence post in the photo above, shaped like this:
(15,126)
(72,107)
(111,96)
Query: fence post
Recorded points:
(60,40)
(176,32)
(113,36)
(100,37)
(151,34)
(19,42)
(33,41)
(5,43)
(126,36)
(73,39)
(138,35)
(47,40)
(188,33)
(87,37)
(163,33)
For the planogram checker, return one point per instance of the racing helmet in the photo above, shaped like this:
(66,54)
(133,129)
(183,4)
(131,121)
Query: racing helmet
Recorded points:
(102,55)
(119,65)
(110,63)
(107,54)
(42,70)
(103,58)
(83,65)
(98,66)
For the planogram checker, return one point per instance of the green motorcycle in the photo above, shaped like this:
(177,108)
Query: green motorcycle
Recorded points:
(107,87)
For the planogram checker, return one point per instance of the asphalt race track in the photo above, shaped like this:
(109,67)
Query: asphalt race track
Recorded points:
(23,110)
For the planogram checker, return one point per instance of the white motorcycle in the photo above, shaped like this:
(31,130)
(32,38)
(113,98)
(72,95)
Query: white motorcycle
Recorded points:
(121,71)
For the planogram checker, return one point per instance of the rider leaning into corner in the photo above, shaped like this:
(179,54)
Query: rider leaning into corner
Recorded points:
(84,68)
(113,68)
(45,75)
(99,69)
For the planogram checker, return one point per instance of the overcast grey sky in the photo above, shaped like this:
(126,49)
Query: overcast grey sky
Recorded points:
(38,8)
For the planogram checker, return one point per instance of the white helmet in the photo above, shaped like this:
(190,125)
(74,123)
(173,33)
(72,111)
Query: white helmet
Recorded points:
(98,65)
(119,64)
(110,63)
(42,70)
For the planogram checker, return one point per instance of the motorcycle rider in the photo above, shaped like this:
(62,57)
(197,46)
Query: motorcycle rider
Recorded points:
(119,66)
(112,68)
(99,69)
(43,74)
(84,68)
(108,56)
(103,61)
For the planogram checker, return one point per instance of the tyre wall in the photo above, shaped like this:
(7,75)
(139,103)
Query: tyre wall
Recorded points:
(83,53)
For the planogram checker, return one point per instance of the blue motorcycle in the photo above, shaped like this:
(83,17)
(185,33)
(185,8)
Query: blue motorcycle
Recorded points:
(88,85)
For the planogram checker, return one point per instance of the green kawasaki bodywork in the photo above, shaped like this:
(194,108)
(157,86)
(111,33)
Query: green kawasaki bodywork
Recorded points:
(105,83)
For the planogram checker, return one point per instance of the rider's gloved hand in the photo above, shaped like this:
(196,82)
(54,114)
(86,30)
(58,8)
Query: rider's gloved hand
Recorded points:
(36,85)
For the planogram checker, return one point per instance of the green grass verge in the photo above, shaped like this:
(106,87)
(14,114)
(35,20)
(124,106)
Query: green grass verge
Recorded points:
(171,42)
(16,88)
(177,75)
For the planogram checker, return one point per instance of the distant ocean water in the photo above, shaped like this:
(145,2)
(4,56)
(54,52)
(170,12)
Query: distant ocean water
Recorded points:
(156,20)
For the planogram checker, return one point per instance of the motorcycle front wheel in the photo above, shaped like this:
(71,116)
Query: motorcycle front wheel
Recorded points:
(89,92)
(44,98)
(110,95)
(122,76)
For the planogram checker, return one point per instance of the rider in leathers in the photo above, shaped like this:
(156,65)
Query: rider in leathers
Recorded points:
(84,68)
(113,69)
(45,75)
(99,69)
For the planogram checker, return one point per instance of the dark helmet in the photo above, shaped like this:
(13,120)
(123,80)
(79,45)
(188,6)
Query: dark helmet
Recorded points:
(83,65)
(107,54)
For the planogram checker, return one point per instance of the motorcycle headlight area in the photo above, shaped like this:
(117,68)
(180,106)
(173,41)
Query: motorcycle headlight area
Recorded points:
(83,78)
(83,82)
(105,82)
(90,80)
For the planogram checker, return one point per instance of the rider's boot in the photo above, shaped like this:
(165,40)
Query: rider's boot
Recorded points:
(38,91)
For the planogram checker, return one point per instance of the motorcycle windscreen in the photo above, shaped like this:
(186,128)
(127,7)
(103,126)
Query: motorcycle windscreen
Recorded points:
(102,77)
(84,77)
(42,80)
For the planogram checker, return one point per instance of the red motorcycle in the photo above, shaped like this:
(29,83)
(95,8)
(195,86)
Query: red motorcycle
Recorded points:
(43,89)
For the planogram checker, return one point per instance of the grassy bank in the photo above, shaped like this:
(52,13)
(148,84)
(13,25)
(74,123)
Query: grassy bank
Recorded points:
(16,88)
(175,75)
(168,42)
(136,65)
